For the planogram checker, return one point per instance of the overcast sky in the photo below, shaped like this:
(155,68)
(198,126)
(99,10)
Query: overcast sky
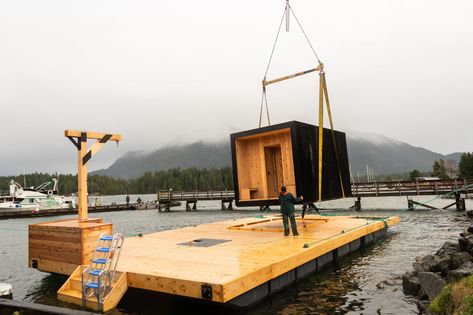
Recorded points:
(161,72)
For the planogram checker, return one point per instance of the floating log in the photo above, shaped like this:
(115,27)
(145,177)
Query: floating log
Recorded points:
(21,213)
(22,307)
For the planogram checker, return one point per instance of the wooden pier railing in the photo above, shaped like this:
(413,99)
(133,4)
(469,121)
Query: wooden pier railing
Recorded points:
(168,198)
(194,196)
(412,188)
(376,189)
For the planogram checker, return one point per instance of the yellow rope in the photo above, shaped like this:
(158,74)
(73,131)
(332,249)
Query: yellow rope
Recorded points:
(327,102)
(321,131)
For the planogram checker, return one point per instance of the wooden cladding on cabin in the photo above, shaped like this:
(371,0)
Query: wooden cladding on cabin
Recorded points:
(264,159)
(265,163)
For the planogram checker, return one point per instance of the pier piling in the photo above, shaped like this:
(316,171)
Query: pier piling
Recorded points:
(191,205)
(264,208)
(230,205)
(358,203)
(460,202)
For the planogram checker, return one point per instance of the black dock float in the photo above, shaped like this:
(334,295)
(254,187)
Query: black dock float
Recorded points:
(287,279)
(12,306)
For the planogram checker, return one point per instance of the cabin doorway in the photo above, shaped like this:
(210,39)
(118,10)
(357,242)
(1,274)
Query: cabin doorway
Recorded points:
(274,173)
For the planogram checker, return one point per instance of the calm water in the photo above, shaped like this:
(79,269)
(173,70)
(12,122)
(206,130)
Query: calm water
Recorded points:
(364,283)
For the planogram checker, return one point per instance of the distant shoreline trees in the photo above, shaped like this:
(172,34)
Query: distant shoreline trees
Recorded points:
(414,174)
(465,166)
(149,183)
(191,179)
(439,169)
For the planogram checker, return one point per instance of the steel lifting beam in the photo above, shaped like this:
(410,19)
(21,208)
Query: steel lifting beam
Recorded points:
(320,67)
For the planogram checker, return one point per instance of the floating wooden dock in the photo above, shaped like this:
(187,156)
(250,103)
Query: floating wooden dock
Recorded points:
(238,262)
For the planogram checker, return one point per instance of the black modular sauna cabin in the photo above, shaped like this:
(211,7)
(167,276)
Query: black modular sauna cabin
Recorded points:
(266,158)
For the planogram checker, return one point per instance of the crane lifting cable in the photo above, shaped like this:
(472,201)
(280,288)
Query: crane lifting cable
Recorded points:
(323,96)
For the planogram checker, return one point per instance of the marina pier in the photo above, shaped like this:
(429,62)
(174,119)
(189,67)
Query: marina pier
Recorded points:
(413,188)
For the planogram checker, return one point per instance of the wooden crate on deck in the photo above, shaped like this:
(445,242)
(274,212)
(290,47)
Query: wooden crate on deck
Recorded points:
(61,246)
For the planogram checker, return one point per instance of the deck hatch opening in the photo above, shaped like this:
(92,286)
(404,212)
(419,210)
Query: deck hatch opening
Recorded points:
(204,242)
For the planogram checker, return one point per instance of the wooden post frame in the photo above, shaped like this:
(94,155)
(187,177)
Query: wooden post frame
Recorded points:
(79,139)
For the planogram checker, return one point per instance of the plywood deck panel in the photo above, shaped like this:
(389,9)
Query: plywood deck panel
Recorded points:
(255,252)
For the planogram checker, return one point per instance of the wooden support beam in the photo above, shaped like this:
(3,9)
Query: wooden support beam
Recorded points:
(452,204)
(424,205)
(91,135)
(79,139)
(82,200)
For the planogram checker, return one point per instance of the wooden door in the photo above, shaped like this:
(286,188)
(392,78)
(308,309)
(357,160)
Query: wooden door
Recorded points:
(274,174)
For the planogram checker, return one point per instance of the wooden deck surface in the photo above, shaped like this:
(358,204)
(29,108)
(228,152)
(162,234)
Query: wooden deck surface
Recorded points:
(251,251)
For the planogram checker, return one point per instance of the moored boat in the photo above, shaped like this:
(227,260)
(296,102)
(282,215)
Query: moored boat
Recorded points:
(35,198)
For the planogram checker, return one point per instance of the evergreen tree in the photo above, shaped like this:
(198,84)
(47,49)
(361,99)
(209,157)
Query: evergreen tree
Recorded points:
(414,174)
(149,183)
(465,166)
(439,170)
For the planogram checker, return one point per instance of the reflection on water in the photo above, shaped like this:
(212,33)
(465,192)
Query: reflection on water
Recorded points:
(368,282)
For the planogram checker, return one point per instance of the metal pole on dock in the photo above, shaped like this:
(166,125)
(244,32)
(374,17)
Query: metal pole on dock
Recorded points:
(466,188)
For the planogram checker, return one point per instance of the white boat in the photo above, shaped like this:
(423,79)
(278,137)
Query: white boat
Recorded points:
(35,198)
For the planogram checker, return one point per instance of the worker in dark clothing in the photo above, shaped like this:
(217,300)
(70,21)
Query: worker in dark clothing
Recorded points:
(287,201)
(127,199)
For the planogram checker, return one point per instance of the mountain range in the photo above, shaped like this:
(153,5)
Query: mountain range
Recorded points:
(383,155)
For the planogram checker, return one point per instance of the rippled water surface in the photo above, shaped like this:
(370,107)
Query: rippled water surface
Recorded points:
(368,282)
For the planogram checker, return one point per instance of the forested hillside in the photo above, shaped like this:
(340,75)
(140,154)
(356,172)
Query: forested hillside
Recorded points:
(150,182)
(381,154)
